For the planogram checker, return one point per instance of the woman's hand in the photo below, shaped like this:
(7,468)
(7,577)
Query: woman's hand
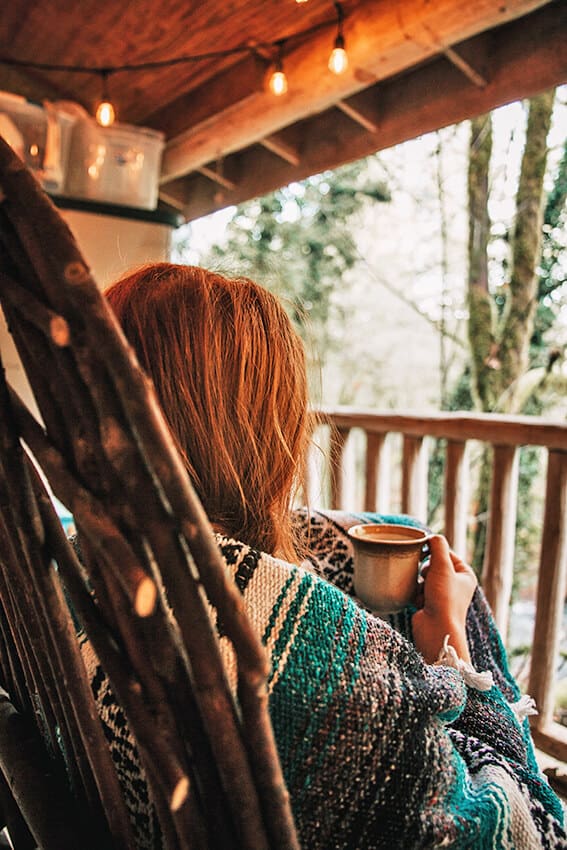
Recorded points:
(448,588)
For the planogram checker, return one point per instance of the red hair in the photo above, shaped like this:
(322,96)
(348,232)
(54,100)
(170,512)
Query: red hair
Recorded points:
(229,371)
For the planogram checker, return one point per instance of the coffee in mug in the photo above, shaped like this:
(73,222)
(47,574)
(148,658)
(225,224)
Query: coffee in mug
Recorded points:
(387,562)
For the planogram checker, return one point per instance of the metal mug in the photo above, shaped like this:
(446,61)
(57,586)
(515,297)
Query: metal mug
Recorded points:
(387,564)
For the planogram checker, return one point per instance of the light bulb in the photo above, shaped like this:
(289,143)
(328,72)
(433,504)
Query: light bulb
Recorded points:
(278,82)
(105,114)
(338,60)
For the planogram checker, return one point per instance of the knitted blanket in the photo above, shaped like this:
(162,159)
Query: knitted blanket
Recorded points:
(378,748)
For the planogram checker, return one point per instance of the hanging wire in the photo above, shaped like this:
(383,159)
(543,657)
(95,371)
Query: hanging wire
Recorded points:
(105,112)
(167,63)
(278,80)
(338,60)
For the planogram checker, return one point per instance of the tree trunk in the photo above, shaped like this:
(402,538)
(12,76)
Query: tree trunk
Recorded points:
(526,248)
(499,356)
(481,325)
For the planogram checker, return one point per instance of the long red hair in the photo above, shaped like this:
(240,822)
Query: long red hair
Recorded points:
(229,371)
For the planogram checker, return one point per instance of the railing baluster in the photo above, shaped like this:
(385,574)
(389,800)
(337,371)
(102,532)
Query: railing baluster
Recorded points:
(414,477)
(498,564)
(550,589)
(338,438)
(456,487)
(375,497)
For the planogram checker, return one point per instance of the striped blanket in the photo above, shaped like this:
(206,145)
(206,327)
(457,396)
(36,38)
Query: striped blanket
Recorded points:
(378,749)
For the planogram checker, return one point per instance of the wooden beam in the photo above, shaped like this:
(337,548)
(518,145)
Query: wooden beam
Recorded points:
(169,195)
(417,102)
(217,177)
(33,85)
(276,145)
(471,73)
(382,39)
(358,116)
(226,92)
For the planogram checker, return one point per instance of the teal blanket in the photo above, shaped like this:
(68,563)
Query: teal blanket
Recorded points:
(378,748)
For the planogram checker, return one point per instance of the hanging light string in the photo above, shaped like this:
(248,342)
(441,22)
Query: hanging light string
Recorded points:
(105,113)
(278,80)
(338,60)
(106,109)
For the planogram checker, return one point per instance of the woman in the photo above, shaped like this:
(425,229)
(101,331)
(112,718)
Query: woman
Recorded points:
(380,746)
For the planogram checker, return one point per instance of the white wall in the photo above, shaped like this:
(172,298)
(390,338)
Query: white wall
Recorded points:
(111,247)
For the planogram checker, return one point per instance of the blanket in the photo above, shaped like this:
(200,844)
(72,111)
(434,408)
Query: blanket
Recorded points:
(378,748)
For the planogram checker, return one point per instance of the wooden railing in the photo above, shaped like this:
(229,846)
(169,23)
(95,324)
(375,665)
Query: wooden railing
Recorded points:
(506,435)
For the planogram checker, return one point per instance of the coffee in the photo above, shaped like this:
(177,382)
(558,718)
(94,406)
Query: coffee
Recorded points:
(387,561)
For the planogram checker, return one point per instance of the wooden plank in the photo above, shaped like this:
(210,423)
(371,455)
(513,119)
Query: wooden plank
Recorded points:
(338,440)
(277,145)
(433,96)
(456,480)
(383,39)
(358,115)
(217,177)
(467,69)
(551,590)
(498,565)
(414,477)
(487,427)
(375,474)
(226,91)
(551,740)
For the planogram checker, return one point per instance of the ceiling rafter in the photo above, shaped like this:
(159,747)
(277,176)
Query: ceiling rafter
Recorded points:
(471,73)
(383,39)
(413,66)
(358,115)
(279,147)
(217,177)
(423,99)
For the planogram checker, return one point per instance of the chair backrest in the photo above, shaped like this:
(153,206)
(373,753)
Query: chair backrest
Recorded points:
(149,590)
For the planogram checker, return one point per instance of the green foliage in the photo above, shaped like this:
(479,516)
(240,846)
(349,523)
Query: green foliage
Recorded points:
(299,240)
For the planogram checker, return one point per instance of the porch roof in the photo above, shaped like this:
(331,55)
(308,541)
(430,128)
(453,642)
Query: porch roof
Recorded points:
(414,66)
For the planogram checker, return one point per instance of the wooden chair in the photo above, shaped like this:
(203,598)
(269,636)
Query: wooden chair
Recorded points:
(149,593)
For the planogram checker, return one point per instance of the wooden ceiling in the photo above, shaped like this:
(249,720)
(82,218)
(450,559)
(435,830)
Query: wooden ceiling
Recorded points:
(414,66)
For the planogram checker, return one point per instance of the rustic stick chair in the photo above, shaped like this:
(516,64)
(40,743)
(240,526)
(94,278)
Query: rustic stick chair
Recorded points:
(150,577)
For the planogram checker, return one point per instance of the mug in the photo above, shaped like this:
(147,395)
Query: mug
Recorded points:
(387,562)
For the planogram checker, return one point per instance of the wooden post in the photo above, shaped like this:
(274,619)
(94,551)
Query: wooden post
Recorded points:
(414,477)
(456,481)
(374,485)
(550,589)
(499,554)
(338,440)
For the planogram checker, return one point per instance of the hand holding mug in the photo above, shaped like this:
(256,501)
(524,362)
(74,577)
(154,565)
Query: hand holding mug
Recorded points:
(447,590)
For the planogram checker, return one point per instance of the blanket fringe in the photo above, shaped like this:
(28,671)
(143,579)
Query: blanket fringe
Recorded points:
(481,681)
(524,707)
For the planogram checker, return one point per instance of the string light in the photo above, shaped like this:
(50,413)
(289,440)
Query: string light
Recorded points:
(338,60)
(105,112)
(278,80)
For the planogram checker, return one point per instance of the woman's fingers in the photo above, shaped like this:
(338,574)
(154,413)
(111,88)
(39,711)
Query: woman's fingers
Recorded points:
(443,559)
(440,555)
(445,596)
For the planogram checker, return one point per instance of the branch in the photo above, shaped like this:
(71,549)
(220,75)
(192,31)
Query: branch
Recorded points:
(409,302)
